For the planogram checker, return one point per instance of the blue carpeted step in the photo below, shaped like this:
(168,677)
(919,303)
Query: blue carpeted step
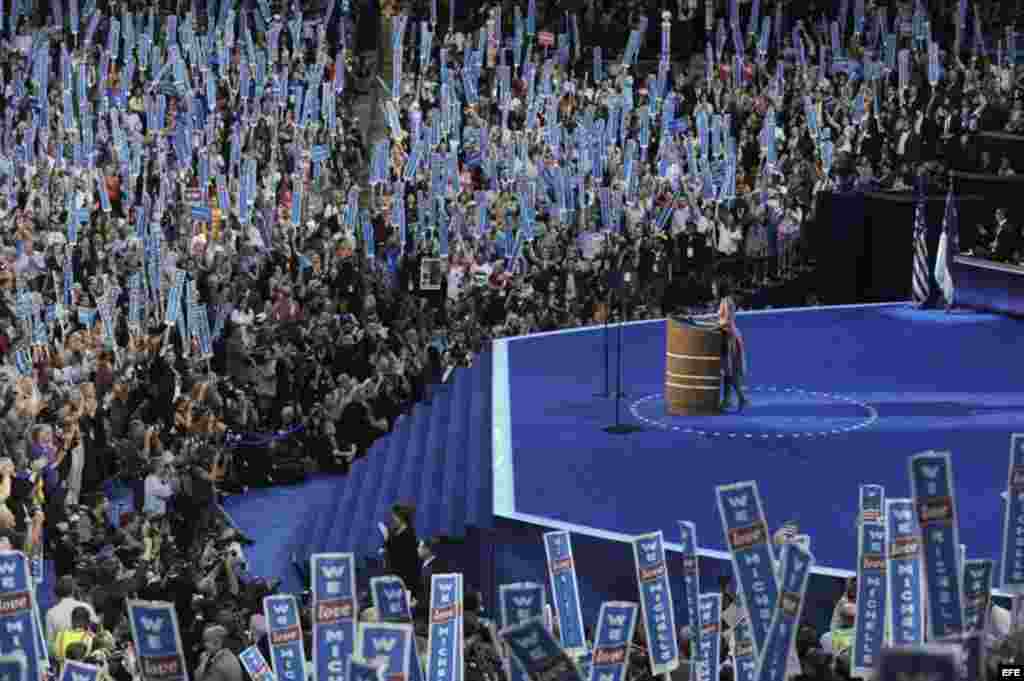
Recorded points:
(388,491)
(453,521)
(374,463)
(336,536)
(431,497)
(409,487)
(321,510)
(479,434)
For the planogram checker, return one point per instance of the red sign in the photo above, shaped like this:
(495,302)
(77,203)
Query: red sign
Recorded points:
(546,39)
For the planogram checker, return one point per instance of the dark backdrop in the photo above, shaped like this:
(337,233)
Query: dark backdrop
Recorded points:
(863,243)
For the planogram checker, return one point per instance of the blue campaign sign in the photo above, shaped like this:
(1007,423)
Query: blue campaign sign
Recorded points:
(444,636)
(535,648)
(334,614)
(361,671)
(871,582)
(793,577)
(78,671)
(13,666)
(931,481)
(744,659)
(977,586)
(254,663)
(1012,563)
(387,645)
(691,576)
(746,533)
(287,652)
(932,662)
(709,653)
(656,602)
(518,603)
(905,590)
(201,213)
(391,599)
(157,641)
(616,624)
(565,590)
(872,503)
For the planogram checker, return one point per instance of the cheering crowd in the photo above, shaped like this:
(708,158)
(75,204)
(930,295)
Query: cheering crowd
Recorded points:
(211,282)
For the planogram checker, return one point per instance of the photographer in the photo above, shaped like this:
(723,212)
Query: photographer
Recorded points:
(359,426)
(199,480)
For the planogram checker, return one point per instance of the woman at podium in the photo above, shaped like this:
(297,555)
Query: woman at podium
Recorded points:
(734,356)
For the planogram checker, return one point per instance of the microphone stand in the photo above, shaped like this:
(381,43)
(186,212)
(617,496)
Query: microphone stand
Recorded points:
(607,315)
(620,428)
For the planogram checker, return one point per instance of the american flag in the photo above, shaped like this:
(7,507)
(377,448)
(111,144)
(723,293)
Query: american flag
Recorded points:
(922,280)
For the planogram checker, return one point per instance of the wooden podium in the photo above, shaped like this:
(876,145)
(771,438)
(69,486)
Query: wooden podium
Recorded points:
(693,368)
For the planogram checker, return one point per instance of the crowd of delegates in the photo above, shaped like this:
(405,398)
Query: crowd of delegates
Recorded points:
(199,296)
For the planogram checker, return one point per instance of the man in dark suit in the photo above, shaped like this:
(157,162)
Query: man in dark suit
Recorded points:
(1006,244)
(430,565)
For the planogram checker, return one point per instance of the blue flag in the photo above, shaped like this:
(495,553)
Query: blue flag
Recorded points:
(931,480)
(564,587)
(746,533)
(656,602)
(157,638)
(335,605)
(871,584)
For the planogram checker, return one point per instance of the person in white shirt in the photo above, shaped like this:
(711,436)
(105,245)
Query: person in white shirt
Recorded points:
(157,491)
(58,617)
(729,235)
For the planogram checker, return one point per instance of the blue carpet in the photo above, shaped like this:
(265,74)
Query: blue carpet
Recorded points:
(276,518)
(841,397)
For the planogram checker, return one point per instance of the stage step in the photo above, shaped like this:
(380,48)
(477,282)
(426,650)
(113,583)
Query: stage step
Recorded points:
(336,537)
(453,511)
(478,468)
(431,493)
(379,512)
(366,495)
(408,488)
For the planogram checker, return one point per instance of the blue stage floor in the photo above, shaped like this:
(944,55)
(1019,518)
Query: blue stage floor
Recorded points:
(840,397)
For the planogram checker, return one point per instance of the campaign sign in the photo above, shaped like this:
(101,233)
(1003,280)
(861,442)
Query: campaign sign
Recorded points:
(174,298)
(537,651)
(932,662)
(691,576)
(157,641)
(391,599)
(616,624)
(566,591)
(709,640)
(360,671)
(977,586)
(78,671)
(387,645)
(744,661)
(656,602)
(444,637)
(905,590)
(12,666)
(1012,562)
(287,652)
(931,482)
(518,603)
(257,667)
(334,613)
(793,577)
(871,583)
(746,533)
